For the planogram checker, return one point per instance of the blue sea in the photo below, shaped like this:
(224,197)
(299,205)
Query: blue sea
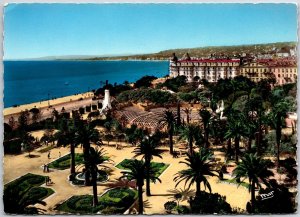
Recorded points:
(32,81)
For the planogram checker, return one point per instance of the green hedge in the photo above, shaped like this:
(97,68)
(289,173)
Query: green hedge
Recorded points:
(12,146)
(64,162)
(25,188)
(114,201)
(27,181)
(39,192)
(158,167)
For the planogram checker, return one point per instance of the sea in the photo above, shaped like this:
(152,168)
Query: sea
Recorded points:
(33,81)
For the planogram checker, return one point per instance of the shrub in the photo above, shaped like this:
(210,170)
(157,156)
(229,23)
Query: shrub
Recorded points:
(182,209)
(107,205)
(110,210)
(145,81)
(208,203)
(152,95)
(12,146)
(170,205)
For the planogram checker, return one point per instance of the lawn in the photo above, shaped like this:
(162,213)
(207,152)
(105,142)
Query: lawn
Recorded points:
(114,201)
(27,189)
(27,181)
(63,163)
(158,167)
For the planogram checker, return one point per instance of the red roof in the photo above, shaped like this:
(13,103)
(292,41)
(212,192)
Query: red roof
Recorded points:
(278,62)
(210,61)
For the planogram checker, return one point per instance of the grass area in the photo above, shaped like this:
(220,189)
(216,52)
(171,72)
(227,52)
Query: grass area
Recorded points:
(114,201)
(46,149)
(39,192)
(27,181)
(25,188)
(233,181)
(63,163)
(158,167)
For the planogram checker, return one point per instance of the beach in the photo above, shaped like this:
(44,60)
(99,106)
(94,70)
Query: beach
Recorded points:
(69,103)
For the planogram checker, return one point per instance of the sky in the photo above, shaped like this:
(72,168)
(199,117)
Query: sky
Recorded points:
(40,30)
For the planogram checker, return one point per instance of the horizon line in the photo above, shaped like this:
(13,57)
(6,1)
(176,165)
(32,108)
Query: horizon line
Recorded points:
(122,55)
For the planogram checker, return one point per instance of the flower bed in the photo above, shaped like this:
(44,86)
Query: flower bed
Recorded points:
(63,162)
(27,189)
(158,167)
(114,201)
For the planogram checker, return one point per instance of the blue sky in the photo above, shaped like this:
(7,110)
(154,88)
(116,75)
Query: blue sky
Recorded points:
(38,30)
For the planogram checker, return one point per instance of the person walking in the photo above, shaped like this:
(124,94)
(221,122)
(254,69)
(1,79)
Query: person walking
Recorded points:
(44,168)
(49,155)
(47,180)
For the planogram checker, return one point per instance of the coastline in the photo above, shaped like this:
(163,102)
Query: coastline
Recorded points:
(45,104)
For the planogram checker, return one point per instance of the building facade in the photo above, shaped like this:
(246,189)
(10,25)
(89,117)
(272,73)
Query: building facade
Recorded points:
(210,69)
(284,70)
(256,71)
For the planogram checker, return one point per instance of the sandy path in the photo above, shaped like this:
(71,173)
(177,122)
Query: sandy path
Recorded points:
(16,166)
(69,103)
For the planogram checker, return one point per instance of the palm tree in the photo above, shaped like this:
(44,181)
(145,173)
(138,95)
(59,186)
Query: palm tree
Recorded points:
(187,111)
(280,107)
(190,133)
(236,129)
(28,141)
(96,159)
(205,117)
(178,121)
(256,170)
(66,136)
(255,108)
(199,166)
(137,172)
(169,120)
(20,202)
(148,148)
(85,134)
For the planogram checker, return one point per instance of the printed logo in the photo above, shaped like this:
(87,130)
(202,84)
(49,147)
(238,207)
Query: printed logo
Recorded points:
(267,196)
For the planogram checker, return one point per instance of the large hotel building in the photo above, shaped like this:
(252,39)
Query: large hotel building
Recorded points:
(284,70)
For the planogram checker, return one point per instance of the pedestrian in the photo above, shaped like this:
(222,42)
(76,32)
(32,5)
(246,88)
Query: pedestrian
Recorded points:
(59,154)
(47,179)
(49,155)
(44,168)
(47,168)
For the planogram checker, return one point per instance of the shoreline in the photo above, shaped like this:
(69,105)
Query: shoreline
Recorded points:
(45,104)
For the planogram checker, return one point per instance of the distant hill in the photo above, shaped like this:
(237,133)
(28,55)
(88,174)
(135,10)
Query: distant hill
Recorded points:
(194,52)
(207,51)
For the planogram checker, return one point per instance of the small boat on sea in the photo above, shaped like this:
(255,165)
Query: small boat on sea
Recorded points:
(66,83)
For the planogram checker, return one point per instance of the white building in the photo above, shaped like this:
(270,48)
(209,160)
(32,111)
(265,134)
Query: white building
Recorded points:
(210,69)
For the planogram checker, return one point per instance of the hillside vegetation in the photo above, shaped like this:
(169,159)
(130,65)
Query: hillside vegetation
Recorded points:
(207,51)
